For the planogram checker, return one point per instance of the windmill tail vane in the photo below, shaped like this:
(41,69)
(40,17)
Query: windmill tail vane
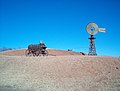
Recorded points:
(101,29)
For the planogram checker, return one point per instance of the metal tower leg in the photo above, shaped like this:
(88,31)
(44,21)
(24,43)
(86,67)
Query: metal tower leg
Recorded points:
(92,49)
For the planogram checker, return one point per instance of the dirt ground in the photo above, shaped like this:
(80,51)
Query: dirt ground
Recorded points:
(59,73)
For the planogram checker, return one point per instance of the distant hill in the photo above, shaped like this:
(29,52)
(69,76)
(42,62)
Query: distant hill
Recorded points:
(51,52)
(5,49)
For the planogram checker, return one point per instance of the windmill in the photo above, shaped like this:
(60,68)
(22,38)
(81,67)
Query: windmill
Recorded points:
(93,29)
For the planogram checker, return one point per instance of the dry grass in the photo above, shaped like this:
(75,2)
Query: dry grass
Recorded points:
(59,73)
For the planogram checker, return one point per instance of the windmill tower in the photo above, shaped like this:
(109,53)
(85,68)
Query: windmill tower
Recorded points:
(92,29)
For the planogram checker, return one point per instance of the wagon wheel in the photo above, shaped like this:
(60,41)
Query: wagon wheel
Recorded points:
(37,53)
(28,53)
(45,53)
(34,53)
(40,53)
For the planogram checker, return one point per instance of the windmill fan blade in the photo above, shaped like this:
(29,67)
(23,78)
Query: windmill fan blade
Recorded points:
(92,28)
(102,29)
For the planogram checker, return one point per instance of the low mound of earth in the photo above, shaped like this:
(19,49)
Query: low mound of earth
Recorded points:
(51,52)
(59,73)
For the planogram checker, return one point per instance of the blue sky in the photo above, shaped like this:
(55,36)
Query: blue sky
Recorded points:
(60,24)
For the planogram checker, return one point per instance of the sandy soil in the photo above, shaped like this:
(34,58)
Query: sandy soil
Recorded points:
(59,73)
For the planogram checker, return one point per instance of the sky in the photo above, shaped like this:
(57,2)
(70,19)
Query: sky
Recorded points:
(60,24)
